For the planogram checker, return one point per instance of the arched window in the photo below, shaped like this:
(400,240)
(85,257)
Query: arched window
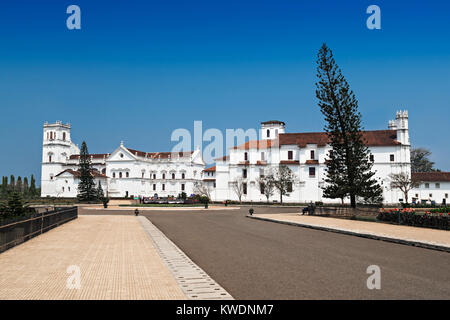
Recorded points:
(268,133)
(163,175)
(183,175)
(64,136)
(127,174)
(104,170)
(114,174)
(173,175)
(120,174)
(245,156)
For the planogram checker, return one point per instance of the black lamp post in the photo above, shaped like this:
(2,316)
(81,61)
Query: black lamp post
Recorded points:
(136,212)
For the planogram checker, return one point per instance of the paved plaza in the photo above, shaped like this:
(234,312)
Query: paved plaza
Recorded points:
(115,255)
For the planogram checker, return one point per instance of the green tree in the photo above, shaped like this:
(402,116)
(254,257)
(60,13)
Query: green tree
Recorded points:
(4,188)
(86,186)
(348,169)
(420,161)
(100,193)
(12,183)
(26,191)
(32,191)
(14,206)
(19,185)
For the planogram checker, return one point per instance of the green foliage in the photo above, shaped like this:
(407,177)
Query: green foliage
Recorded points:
(13,207)
(438,220)
(349,171)
(86,186)
(22,187)
(420,161)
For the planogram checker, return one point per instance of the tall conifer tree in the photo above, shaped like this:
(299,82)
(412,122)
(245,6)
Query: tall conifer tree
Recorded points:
(349,171)
(33,192)
(86,185)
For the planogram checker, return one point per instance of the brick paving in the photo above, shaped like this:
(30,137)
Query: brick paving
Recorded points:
(115,255)
(405,233)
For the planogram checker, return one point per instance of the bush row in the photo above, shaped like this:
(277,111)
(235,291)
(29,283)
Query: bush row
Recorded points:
(410,218)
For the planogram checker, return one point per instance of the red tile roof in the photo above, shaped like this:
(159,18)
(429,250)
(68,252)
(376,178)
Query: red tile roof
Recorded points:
(431,176)
(77,174)
(373,138)
(312,162)
(257,144)
(158,155)
(211,169)
(94,156)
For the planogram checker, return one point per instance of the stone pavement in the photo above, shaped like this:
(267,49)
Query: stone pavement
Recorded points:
(116,258)
(423,237)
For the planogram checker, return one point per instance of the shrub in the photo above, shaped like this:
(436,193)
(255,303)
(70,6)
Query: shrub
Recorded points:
(439,220)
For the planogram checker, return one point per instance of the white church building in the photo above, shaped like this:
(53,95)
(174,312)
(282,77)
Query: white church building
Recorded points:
(124,172)
(128,172)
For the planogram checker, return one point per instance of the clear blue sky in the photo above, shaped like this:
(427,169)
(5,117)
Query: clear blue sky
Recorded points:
(139,69)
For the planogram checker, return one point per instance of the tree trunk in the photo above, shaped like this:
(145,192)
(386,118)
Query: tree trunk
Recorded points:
(353,201)
(281,197)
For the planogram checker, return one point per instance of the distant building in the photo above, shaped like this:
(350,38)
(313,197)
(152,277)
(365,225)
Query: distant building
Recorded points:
(127,172)
(123,172)
(434,187)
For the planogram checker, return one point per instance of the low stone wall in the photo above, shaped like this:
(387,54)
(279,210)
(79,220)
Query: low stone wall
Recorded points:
(346,211)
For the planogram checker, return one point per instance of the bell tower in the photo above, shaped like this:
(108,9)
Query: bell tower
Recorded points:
(271,129)
(57,147)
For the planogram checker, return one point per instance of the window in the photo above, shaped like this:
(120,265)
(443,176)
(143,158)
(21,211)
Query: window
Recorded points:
(244,173)
(268,133)
(182,176)
(417,195)
(437,185)
(446,196)
(182,187)
(64,136)
(173,176)
(290,155)
(104,171)
(163,175)
(261,187)
(163,187)
(68,188)
(127,174)
(154,187)
(120,174)
(50,158)
(246,156)
(289,187)
(114,174)
(51,176)
(312,172)
(154,176)
(312,155)
(372,158)
(431,195)
(263,156)
(392,158)
(244,188)
(63,189)
(214,184)
(427,185)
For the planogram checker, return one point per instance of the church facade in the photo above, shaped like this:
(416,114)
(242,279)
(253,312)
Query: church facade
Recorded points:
(129,172)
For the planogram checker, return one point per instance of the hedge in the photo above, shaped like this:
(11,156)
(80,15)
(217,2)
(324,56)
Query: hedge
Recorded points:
(436,220)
